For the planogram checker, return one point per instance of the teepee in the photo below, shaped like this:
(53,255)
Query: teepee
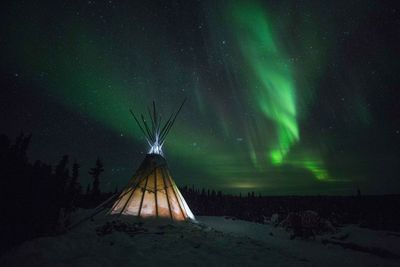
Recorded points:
(152,192)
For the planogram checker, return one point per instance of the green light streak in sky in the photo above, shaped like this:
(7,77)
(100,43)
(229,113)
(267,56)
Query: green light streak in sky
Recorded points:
(271,83)
(314,166)
(89,78)
(270,79)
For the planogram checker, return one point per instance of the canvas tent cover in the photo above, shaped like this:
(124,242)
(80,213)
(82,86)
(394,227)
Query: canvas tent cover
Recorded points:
(152,193)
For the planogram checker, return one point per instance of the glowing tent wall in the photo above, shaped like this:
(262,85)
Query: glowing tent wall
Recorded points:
(153,193)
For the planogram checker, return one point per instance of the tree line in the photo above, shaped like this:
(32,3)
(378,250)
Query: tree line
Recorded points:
(37,198)
(378,212)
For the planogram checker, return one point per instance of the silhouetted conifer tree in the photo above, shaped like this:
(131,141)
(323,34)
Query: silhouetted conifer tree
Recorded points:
(74,188)
(61,189)
(95,173)
(62,172)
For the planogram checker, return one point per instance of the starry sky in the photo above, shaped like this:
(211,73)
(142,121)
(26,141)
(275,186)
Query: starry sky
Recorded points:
(283,97)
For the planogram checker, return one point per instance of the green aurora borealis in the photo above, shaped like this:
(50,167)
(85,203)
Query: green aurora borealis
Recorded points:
(280,100)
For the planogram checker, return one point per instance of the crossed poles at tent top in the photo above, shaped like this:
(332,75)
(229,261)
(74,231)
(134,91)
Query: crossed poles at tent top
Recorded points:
(156,133)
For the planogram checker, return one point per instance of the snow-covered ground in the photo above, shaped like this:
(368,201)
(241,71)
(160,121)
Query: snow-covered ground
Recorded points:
(214,241)
(314,252)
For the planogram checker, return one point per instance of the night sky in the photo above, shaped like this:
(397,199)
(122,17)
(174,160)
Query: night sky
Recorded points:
(283,97)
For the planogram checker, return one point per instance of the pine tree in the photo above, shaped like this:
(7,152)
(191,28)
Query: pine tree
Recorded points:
(74,188)
(20,147)
(62,172)
(61,192)
(95,173)
(62,177)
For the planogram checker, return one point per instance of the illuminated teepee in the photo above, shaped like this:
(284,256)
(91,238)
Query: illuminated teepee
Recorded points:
(152,192)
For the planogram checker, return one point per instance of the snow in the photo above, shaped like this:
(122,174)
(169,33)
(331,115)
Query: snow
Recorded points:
(313,251)
(212,241)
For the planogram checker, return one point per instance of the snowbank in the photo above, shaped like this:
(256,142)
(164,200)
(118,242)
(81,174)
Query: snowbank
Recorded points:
(314,252)
(214,241)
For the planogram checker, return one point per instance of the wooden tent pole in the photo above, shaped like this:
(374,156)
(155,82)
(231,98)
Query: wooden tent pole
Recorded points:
(173,190)
(140,126)
(128,186)
(155,190)
(127,201)
(154,113)
(136,186)
(144,191)
(166,193)
(165,125)
(101,207)
(172,122)
(152,121)
(147,128)
(180,199)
